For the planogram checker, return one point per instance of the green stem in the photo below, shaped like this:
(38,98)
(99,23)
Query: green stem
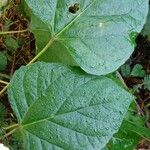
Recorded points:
(33,60)
(9,133)
(12,32)
(11,126)
(42,51)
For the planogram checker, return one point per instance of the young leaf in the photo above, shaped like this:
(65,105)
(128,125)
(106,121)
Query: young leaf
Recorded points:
(60,107)
(2,113)
(97,35)
(11,44)
(3,61)
(125,70)
(138,71)
(147,82)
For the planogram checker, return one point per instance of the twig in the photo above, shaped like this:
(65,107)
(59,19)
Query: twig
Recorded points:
(11,126)
(9,133)
(4,76)
(138,107)
(121,79)
(12,66)
(33,60)
(13,32)
(4,82)
(4,89)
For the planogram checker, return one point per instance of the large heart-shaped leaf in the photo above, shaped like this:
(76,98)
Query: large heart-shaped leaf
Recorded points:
(59,107)
(146,29)
(97,35)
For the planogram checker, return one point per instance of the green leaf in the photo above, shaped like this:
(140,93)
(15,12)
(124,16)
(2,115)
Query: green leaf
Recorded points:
(126,139)
(3,3)
(2,113)
(3,61)
(130,132)
(99,36)
(11,44)
(146,29)
(125,70)
(138,71)
(147,82)
(136,123)
(60,107)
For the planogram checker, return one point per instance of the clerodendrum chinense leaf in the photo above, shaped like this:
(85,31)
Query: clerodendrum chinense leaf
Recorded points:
(60,107)
(146,29)
(99,37)
(127,138)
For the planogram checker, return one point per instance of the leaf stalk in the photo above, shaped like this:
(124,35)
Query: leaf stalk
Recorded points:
(13,32)
(4,82)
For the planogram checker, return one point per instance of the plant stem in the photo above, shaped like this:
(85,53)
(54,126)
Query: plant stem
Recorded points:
(12,32)
(4,89)
(11,126)
(42,51)
(9,133)
(33,60)
(121,79)
(4,76)
(3,82)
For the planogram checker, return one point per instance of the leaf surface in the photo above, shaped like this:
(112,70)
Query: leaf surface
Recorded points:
(146,29)
(60,107)
(3,61)
(99,36)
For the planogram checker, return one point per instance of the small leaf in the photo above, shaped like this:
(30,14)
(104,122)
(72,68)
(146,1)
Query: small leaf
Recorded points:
(138,71)
(2,113)
(60,107)
(3,61)
(147,82)
(99,36)
(126,70)
(11,44)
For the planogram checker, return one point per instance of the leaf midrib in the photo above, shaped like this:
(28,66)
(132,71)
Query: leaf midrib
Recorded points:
(56,115)
(54,38)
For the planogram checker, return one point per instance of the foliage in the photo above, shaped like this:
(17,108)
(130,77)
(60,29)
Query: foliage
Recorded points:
(3,61)
(136,71)
(2,113)
(125,70)
(130,133)
(11,44)
(2,4)
(144,85)
(97,38)
(147,82)
(66,103)
(75,104)
(146,29)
